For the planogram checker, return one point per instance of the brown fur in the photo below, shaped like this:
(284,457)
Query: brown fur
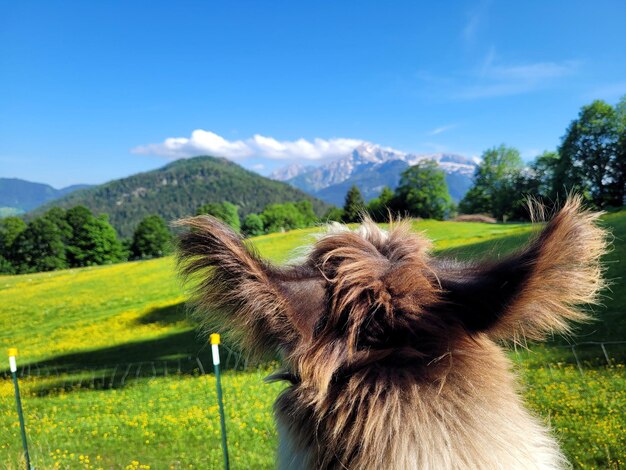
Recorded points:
(390,352)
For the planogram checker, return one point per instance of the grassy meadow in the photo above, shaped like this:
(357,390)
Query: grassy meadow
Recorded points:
(81,333)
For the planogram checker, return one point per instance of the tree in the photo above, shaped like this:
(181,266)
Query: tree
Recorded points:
(494,184)
(252,225)
(93,241)
(590,162)
(225,211)
(40,247)
(619,171)
(10,228)
(535,180)
(544,169)
(58,217)
(423,191)
(354,205)
(100,244)
(77,217)
(380,207)
(151,238)
(61,239)
(6,267)
(334,214)
(280,217)
(306,209)
(79,242)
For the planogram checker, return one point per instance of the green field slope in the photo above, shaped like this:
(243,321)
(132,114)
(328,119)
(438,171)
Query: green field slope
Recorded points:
(112,380)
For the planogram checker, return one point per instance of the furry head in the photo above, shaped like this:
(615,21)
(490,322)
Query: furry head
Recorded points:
(391,353)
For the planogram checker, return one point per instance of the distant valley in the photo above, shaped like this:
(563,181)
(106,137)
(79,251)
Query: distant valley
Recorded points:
(18,196)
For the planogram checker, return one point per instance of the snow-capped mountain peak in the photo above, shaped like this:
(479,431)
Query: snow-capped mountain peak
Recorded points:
(290,171)
(372,153)
(368,162)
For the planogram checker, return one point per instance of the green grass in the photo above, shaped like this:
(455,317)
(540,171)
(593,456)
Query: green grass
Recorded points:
(164,423)
(586,411)
(81,323)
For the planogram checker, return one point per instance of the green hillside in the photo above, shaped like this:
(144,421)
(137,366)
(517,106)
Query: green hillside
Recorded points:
(18,196)
(80,330)
(179,189)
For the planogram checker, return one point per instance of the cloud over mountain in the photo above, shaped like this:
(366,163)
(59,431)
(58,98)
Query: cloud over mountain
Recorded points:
(204,142)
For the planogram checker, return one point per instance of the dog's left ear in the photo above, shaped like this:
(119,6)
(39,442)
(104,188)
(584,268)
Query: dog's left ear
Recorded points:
(537,291)
(269,308)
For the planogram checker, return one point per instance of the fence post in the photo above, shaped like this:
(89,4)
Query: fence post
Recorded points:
(113,376)
(580,367)
(200,365)
(606,355)
(18,402)
(215,341)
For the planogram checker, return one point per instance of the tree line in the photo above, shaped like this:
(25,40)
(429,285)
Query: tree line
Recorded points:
(591,161)
(73,238)
(422,192)
(274,218)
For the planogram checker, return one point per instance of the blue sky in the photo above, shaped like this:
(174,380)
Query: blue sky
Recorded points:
(92,91)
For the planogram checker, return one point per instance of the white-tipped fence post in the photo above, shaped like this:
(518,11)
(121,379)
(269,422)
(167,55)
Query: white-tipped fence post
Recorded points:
(13,367)
(215,341)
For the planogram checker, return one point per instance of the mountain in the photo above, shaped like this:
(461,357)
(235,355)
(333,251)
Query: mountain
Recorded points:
(18,196)
(290,171)
(370,180)
(179,189)
(371,167)
(74,187)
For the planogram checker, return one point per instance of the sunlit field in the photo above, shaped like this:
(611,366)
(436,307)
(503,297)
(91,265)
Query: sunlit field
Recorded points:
(111,378)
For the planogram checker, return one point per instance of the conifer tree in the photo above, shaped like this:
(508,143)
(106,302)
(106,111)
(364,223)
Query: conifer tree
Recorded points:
(354,205)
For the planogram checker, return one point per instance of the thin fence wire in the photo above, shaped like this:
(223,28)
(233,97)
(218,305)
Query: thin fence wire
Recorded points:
(595,359)
(121,374)
(118,375)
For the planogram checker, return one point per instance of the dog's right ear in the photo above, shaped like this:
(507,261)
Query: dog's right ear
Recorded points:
(268,308)
(537,291)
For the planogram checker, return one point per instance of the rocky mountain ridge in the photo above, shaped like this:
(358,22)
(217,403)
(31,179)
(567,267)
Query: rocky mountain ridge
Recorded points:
(371,167)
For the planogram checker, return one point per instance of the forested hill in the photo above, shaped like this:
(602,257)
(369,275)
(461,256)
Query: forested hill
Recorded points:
(179,189)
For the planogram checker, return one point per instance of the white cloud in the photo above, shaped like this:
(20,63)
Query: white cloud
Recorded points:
(494,79)
(476,17)
(204,142)
(439,130)
(532,72)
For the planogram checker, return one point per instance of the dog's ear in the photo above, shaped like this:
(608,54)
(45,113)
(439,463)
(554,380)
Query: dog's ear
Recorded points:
(537,291)
(268,308)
